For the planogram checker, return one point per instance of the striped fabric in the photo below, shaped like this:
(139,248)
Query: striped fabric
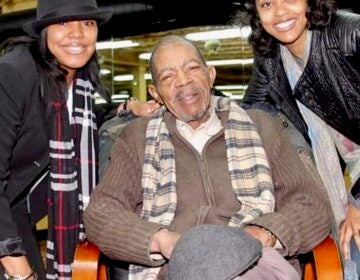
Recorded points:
(248,169)
(72,176)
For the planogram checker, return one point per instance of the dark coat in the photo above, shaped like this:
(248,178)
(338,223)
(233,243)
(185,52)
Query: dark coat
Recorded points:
(329,85)
(24,153)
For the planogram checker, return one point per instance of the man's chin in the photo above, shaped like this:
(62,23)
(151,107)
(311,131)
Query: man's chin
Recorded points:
(195,117)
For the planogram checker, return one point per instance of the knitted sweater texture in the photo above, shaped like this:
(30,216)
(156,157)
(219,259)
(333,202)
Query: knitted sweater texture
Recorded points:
(301,219)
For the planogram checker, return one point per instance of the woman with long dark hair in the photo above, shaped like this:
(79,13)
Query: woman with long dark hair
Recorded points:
(48,143)
(307,63)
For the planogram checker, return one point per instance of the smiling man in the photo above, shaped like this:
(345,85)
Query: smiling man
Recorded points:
(202,159)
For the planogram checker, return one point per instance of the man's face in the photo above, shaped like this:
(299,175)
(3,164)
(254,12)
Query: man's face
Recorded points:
(183,83)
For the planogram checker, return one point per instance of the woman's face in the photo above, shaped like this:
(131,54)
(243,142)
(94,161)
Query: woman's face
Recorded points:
(285,20)
(72,43)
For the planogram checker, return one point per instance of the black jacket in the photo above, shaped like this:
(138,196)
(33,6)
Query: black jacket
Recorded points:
(329,85)
(24,143)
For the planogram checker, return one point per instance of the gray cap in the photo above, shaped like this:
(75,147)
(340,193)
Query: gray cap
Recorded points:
(213,252)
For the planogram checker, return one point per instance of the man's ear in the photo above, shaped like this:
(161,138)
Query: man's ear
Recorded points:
(212,74)
(154,93)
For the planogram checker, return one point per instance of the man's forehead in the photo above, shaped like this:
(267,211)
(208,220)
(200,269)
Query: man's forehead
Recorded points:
(175,54)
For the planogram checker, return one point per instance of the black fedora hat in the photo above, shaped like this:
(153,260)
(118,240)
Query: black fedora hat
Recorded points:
(54,11)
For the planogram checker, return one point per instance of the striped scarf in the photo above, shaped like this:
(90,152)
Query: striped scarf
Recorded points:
(249,172)
(72,176)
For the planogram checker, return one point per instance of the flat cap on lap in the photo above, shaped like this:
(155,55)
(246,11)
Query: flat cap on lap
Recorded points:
(213,252)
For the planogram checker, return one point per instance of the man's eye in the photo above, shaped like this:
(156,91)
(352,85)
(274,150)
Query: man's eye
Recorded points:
(165,78)
(194,67)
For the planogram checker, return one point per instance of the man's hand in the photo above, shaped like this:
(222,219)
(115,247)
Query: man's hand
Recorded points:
(350,228)
(265,237)
(164,242)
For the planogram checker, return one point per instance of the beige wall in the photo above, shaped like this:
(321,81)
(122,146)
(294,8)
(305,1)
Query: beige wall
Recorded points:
(9,6)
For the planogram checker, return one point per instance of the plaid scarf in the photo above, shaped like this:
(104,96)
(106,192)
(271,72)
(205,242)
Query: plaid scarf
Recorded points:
(72,175)
(249,172)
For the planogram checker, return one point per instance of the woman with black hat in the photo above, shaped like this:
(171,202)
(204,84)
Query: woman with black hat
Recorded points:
(48,146)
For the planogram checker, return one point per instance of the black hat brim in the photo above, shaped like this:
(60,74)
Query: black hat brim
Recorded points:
(33,28)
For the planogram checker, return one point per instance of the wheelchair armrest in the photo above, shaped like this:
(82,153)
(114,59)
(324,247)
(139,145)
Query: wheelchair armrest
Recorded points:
(326,263)
(87,263)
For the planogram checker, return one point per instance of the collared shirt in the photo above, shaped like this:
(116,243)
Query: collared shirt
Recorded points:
(199,136)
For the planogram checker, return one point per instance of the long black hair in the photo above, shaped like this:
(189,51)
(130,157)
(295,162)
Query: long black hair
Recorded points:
(52,77)
(318,14)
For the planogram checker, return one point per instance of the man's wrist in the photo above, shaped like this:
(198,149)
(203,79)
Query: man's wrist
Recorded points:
(272,236)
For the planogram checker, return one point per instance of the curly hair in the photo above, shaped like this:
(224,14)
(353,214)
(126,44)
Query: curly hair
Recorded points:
(318,14)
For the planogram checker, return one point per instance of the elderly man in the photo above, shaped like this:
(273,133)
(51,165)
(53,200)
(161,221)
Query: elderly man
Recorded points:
(202,159)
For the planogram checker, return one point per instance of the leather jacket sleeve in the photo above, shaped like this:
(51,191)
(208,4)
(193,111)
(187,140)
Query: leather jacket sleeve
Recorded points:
(347,27)
(259,83)
(10,120)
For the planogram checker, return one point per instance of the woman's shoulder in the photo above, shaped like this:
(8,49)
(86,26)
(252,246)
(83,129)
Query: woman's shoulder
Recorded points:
(343,32)
(344,23)
(18,75)
(17,56)
(18,62)
(346,18)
